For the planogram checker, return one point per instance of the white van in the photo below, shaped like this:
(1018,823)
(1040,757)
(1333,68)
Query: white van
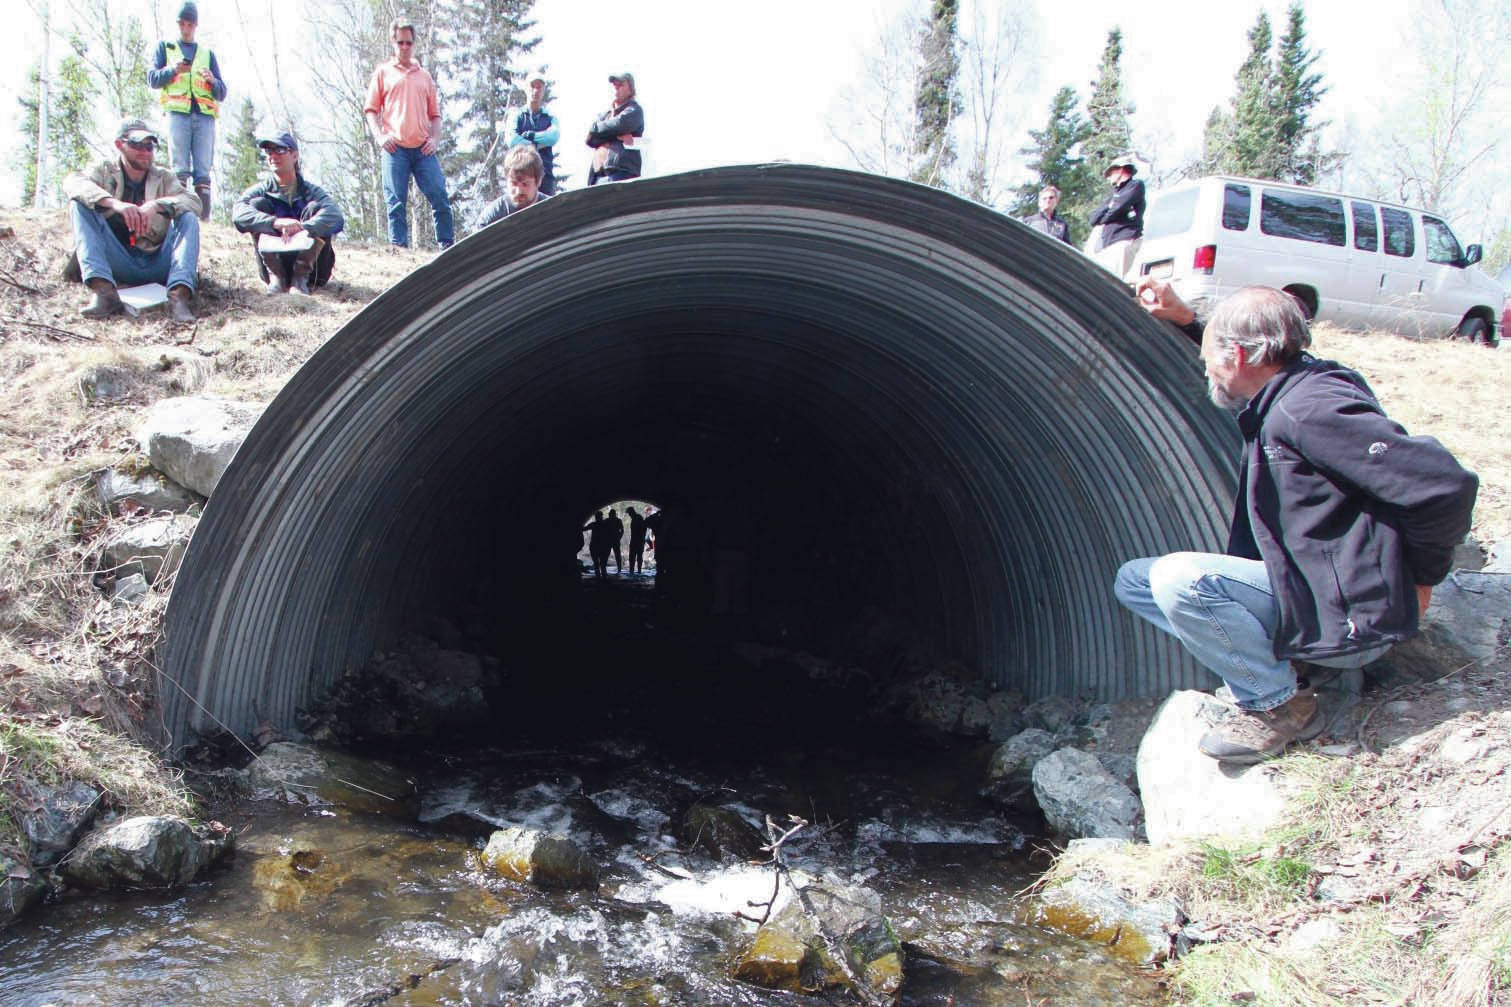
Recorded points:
(1352,261)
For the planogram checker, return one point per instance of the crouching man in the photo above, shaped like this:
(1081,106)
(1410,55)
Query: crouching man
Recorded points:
(523,171)
(287,205)
(134,223)
(1342,525)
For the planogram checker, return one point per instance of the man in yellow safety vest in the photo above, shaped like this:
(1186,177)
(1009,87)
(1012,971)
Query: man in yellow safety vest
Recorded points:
(189,77)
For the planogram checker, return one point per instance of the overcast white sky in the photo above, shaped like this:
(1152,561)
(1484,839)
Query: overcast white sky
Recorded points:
(728,83)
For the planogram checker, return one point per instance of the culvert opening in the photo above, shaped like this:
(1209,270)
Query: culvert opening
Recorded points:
(863,403)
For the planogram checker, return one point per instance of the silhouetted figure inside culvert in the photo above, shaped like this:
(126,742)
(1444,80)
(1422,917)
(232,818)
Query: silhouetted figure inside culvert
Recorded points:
(598,544)
(653,531)
(616,537)
(637,539)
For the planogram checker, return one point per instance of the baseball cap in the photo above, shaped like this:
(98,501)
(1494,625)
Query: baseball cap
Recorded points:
(135,130)
(278,140)
(628,78)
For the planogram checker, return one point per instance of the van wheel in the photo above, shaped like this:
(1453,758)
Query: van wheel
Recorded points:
(1475,330)
(1305,300)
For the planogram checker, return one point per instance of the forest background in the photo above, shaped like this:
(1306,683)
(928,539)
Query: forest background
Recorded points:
(986,98)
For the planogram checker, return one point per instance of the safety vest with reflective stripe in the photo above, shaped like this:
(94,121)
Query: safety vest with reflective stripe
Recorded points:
(178,91)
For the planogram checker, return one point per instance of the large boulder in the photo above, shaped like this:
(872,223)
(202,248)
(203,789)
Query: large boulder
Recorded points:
(1189,795)
(540,859)
(146,852)
(55,819)
(152,548)
(1468,620)
(302,774)
(1014,760)
(193,439)
(20,888)
(1080,798)
(795,949)
(122,491)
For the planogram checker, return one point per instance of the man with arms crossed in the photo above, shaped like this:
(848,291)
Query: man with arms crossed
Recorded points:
(1342,525)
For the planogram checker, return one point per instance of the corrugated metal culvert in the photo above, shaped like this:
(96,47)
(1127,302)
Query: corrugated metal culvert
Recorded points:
(881,396)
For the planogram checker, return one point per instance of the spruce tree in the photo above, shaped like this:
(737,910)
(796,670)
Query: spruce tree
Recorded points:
(1055,158)
(243,159)
(1253,147)
(1297,91)
(937,101)
(1109,133)
(1216,141)
(70,120)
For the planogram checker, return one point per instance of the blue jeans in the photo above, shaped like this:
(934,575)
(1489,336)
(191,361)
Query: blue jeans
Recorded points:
(192,135)
(103,257)
(1222,609)
(426,170)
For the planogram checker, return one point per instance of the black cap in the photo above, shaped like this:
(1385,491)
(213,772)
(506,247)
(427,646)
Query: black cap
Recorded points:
(189,12)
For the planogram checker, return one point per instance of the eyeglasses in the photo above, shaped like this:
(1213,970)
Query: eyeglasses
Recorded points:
(142,144)
(272,150)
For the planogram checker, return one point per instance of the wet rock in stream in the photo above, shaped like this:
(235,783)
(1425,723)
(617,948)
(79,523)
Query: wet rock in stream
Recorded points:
(545,861)
(827,936)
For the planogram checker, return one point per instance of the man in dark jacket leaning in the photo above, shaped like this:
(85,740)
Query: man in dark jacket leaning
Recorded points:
(297,218)
(1121,219)
(1342,525)
(613,135)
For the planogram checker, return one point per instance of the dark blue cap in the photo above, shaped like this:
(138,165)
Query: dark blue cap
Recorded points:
(279,140)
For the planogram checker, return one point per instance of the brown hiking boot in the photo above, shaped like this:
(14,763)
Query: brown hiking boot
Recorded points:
(106,300)
(273,263)
(304,268)
(202,190)
(178,304)
(1248,736)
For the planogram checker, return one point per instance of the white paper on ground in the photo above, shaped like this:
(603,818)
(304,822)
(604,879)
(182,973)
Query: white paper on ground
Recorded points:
(140,298)
(278,243)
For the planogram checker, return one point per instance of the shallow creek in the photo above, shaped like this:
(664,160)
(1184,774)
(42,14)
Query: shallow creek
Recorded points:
(322,907)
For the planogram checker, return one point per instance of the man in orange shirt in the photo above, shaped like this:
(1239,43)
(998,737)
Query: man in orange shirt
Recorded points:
(403,113)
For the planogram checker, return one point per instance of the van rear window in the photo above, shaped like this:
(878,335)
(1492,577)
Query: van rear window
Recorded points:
(1171,213)
(1366,230)
(1303,216)
(1400,237)
(1235,207)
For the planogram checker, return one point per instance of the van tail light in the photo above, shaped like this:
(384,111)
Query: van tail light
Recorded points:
(1204,259)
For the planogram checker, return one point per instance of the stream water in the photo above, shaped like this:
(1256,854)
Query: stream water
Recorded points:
(329,907)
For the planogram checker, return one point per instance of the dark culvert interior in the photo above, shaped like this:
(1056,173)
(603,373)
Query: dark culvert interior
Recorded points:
(860,403)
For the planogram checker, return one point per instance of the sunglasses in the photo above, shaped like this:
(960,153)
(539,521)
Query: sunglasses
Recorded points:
(142,144)
(276,150)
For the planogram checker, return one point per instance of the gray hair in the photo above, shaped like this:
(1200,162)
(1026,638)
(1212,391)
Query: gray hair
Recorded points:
(1048,189)
(399,24)
(1268,323)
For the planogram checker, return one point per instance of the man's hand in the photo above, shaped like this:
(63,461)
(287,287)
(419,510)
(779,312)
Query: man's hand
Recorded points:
(138,218)
(529,134)
(1161,301)
(1424,595)
(628,139)
(428,147)
(207,79)
(387,142)
(288,226)
(183,66)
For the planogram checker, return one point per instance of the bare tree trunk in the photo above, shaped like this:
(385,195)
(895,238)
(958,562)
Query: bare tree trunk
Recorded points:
(39,195)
